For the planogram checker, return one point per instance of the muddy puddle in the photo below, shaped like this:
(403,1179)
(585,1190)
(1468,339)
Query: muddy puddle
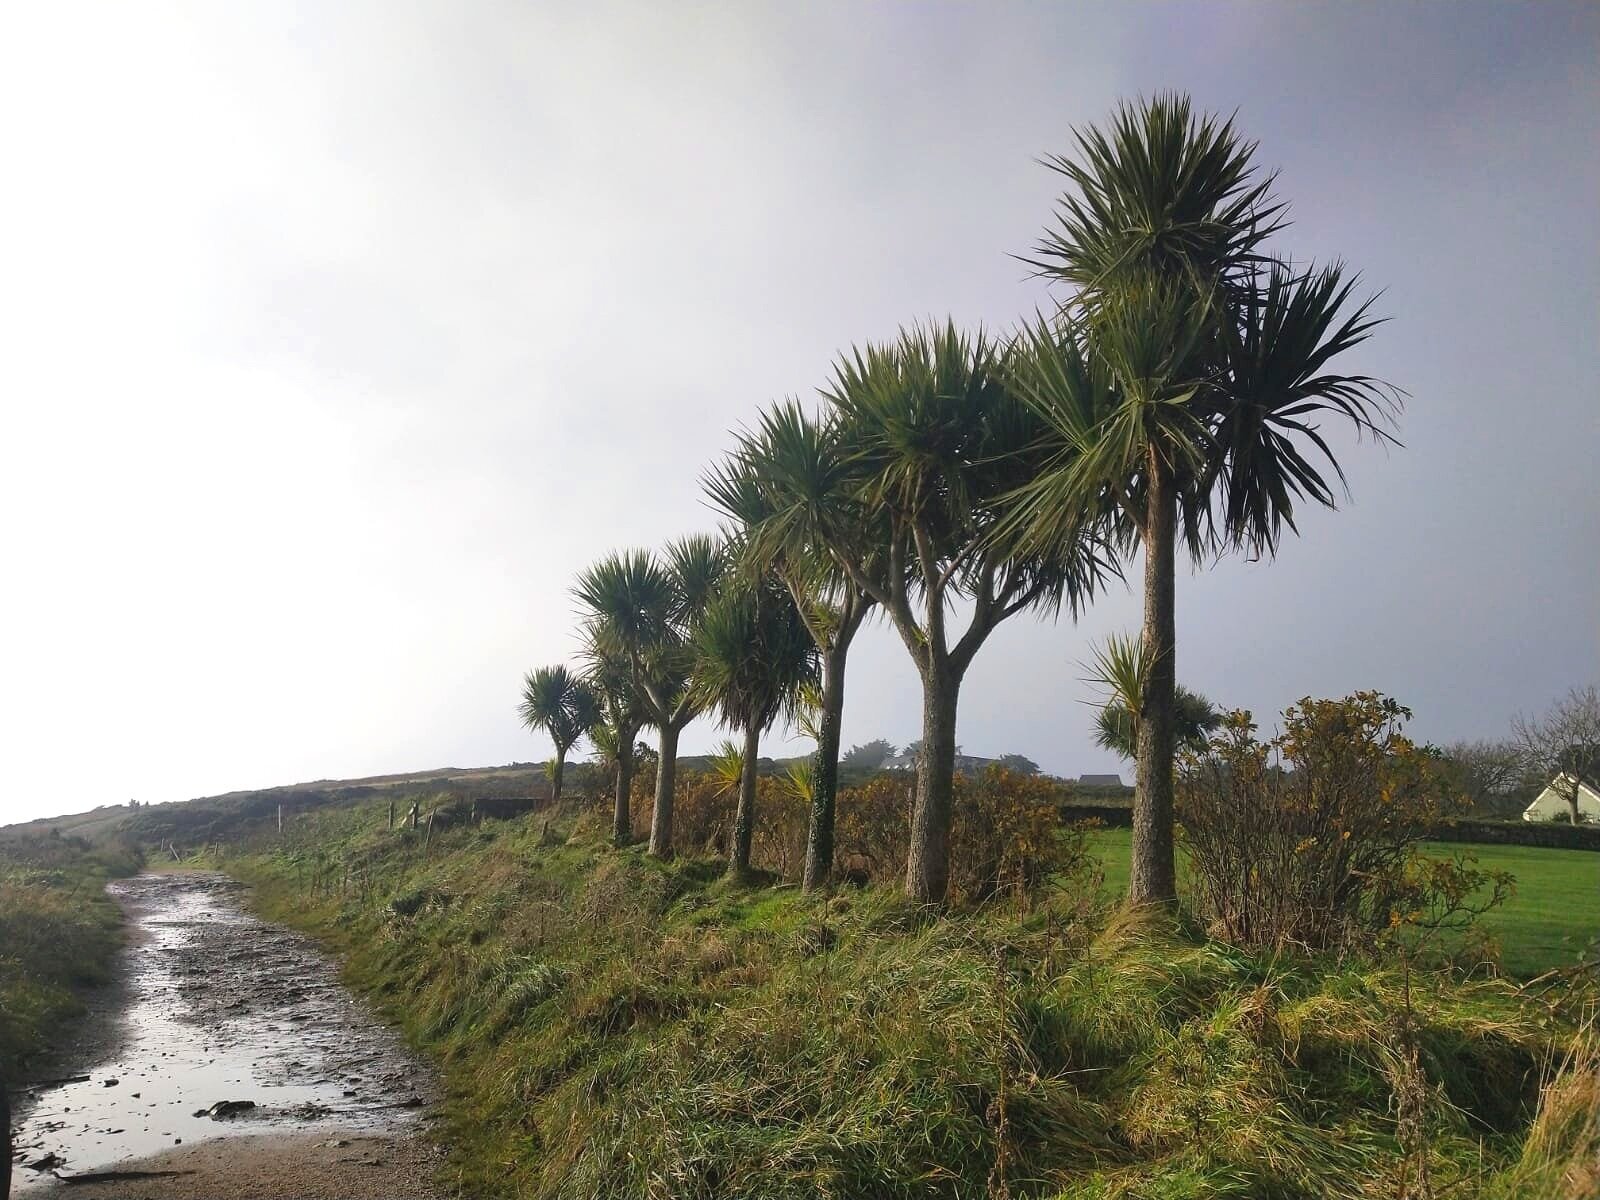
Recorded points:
(214,1006)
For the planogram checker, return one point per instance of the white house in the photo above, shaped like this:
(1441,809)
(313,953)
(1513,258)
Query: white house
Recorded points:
(1552,803)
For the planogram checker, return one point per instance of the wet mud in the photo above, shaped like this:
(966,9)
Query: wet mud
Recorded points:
(220,1026)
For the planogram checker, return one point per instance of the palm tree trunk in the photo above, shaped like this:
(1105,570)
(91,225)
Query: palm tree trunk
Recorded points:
(928,863)
(1153,877)
(744,818)
(666,781)
(825,774)
(555,778)
(622,818)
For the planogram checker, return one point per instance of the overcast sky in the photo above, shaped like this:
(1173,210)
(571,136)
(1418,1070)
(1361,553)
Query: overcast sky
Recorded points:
(336,338)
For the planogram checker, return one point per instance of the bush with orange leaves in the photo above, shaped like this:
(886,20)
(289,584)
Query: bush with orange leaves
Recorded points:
(1310,839)
(1006,833)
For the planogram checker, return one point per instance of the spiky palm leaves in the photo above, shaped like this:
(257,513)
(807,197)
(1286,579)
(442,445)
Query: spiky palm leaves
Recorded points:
(788,488)
(623,713)
(564,707)
(725,765)
(1120,668)
(753,656)
(937,440)
(1180,383)
(644,609)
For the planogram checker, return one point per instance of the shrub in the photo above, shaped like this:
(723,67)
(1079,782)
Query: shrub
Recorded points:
(783,820)
(1308,839)
(872,828)
(1006,833)
(702,811)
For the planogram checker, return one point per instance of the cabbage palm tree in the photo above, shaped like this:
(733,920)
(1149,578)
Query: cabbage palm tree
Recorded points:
(1181,382)
(563,705)
(1121,666)
(935,439)
(610,676)
(753,657)
(785,486)
(646,610)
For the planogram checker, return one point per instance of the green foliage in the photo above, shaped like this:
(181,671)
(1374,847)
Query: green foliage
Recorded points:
(938,440)
(1006,833)
(753,655)
(561,704)
(641,611)
(1121,667)
(1179,383)
(622,708)
(59,933)
(1543,926)
(1019,764)
(868,756)
(1182,336)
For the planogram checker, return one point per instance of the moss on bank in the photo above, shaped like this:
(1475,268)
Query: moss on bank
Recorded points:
(613,1026)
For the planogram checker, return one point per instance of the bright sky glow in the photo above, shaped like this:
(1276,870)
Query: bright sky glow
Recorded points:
(335,338)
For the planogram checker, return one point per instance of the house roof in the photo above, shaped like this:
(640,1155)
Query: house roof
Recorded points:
(1100,780)
(1553,801)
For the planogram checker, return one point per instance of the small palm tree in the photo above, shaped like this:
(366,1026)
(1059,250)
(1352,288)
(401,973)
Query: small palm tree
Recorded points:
(1121,668)
(564,707)
(753,657)
(786,486)
(645,610)
(725,765)
(622,715)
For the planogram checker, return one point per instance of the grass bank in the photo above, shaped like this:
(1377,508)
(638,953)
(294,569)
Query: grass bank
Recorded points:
(59,933)
(613,1026)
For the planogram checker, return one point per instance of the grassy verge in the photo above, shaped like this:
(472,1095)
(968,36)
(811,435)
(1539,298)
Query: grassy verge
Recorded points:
(613,1026)
(1553,915)
(59,933)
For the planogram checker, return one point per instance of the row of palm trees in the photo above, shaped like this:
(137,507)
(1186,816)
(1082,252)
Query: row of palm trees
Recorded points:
(952,480)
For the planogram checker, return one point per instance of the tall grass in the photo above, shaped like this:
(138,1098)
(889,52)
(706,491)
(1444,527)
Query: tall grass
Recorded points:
(613,1026)
(59,933)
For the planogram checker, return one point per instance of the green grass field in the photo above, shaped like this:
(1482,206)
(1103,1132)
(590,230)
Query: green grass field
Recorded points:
(1553,915)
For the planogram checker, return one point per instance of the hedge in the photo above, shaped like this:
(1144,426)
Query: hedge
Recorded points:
(1557,834)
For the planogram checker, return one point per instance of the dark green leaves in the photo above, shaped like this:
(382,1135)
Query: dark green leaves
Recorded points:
(560,703)
(753,654)
(1184,346)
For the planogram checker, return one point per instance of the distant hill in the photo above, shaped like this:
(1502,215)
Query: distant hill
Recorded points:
(188,823)
(208,818)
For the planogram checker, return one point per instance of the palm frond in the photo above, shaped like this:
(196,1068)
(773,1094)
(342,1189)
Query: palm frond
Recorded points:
(1277,353)
(727,765)
(1119,668)
(800,780)
(558,702)
(753,655)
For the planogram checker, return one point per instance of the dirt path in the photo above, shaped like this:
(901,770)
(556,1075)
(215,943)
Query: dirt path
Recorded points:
(216,1007)
(285,1166)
